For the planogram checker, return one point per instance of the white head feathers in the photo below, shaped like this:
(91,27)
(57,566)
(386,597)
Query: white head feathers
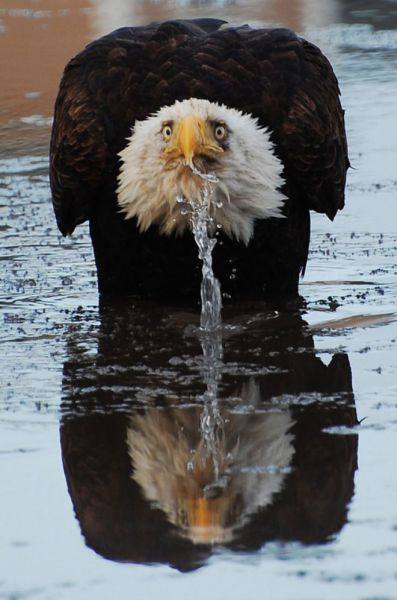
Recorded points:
(248,171)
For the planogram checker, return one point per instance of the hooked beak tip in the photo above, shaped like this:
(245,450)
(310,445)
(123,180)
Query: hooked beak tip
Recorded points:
(188,162)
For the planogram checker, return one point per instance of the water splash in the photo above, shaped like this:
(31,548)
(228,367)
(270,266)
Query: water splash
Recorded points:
(203,222)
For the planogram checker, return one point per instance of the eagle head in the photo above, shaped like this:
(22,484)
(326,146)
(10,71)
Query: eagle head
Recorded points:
(169,155)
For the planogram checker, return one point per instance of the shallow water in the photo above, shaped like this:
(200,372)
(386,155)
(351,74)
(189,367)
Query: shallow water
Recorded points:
(149,461)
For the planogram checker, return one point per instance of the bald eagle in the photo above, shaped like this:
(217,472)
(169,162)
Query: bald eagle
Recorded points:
(142,111)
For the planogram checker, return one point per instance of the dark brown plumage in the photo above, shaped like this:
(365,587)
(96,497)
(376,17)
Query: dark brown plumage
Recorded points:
(279,78)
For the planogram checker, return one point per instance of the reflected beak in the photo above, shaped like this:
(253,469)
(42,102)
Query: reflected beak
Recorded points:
(206,520)
(202,514)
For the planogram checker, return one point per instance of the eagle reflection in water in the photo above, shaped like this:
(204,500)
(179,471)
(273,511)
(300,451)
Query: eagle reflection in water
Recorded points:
(161,471)
(209,492)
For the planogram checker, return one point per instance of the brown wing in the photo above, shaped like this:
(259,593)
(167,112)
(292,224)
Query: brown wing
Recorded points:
(87,111)
(313,136)
(78,151)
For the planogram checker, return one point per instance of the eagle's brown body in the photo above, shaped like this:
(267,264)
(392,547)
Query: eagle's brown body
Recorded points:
(283,81)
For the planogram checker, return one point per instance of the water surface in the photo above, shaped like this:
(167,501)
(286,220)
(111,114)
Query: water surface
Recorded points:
(136,456)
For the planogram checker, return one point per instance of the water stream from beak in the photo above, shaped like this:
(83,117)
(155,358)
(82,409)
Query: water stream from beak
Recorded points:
(210,333)
(202,222)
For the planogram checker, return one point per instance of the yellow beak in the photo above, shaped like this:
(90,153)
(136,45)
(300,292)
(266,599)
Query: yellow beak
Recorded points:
(192,138)
(206,520)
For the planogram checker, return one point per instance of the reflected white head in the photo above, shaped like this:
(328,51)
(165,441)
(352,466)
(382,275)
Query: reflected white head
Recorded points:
(160,162)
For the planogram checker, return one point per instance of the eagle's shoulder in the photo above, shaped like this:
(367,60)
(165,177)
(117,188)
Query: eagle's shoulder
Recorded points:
(313,135)
(93,115)
(296,95)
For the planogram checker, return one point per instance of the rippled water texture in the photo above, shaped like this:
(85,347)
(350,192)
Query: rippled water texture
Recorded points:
(140,458)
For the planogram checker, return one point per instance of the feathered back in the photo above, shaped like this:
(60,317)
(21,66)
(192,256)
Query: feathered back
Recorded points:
(283,81)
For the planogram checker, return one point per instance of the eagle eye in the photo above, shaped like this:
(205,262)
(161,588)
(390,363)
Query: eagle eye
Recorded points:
(167,132)
(220,131)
